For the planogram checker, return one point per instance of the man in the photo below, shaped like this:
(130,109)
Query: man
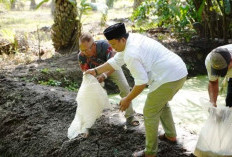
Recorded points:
(150,63)
(218,64)
(94,53)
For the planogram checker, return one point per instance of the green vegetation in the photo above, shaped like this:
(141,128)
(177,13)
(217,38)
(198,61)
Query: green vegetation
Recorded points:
(50,82)
(72,87)
(210,19)
(67,84)
(45,71)
(163,13)
(62,82)
(60,69)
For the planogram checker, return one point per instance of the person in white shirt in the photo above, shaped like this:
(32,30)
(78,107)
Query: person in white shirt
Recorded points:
(94,53)
(152,64)
(219,64)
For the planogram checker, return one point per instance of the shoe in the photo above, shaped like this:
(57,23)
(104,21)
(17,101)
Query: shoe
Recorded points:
(171,140)
(141,154)
(132,121)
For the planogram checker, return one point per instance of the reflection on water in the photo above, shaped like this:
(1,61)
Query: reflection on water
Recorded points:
(186,106)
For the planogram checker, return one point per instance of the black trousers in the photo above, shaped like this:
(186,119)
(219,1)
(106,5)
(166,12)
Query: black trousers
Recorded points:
(229,93)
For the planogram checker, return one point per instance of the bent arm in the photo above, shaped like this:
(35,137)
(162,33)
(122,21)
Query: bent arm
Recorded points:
(108,73)
(135,92)
(126,101)
(104,68)
(100,69)
(104,75)
(213,92)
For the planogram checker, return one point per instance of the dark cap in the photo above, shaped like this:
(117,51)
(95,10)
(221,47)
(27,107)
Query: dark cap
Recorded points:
(115,31)
(220,60)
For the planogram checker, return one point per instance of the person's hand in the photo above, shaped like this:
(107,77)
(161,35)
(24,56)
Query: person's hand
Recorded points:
(101,78)
(90,71)
(124,104)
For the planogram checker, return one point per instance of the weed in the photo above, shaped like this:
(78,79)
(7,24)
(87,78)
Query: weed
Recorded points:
(50,82)
(45,71)
(72,87)
(60,70)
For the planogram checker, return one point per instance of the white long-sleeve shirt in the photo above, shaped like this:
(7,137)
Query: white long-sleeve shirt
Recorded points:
(149,62)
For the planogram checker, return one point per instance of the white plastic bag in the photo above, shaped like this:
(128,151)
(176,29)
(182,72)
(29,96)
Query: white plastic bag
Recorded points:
(215,139)
(91,100)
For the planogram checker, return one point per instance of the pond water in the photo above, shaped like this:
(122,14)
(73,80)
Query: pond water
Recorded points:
(187,107)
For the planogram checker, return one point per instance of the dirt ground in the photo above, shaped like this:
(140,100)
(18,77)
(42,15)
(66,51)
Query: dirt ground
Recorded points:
(34,120)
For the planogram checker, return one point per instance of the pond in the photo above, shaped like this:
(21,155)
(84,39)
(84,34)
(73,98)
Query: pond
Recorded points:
(188,109)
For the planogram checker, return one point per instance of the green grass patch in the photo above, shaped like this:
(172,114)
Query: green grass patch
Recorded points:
(26,20)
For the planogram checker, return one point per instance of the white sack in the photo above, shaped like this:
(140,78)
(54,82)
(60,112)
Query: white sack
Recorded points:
(91,100)
(215,139)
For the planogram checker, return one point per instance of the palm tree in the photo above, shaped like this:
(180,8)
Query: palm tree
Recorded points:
(66,28)
(12,4)
(32,5)
(110,3)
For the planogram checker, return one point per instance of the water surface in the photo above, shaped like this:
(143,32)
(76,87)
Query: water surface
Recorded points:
(187,107)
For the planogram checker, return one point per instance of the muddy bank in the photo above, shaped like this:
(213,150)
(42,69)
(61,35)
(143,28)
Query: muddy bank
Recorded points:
(64,71)
(194,53)
(34,120)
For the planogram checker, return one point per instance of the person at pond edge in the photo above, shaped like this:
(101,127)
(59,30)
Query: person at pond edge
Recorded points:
(150,63)
(219,64)
(94,53)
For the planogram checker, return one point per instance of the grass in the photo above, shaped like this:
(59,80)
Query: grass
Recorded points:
(26,21)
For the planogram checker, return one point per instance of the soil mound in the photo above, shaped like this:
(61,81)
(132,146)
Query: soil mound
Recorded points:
(34,120)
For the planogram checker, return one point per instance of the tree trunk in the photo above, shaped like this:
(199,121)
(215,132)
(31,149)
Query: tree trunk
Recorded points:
(137,3)
(32,5)
(12,4)
(110,3)
(65,28)
(209,18)
(224,22)
(52,4)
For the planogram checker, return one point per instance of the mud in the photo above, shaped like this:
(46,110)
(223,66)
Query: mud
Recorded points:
(34,120)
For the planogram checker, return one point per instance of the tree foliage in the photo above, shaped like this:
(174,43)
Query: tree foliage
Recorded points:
(206,17)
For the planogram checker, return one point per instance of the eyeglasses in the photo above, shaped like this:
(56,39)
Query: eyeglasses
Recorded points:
(88,49)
